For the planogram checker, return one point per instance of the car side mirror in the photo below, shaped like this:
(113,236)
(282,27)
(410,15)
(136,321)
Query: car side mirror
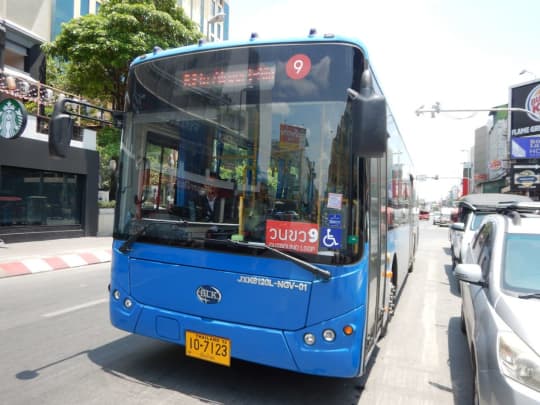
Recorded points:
(458,226)
(470,273)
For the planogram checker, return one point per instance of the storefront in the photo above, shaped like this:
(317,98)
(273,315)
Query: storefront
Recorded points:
(43,198)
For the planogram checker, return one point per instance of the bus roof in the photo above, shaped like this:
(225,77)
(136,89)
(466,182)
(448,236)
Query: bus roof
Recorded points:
(206,46)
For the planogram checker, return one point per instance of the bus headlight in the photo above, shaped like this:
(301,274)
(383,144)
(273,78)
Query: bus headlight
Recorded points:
(127,303)
(309,339)
(116,294)
(518,361)
(329,335)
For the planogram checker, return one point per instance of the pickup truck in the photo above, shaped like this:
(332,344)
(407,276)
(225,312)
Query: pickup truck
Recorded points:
(472,209)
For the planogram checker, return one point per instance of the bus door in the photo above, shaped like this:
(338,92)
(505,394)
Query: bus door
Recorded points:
(377,251)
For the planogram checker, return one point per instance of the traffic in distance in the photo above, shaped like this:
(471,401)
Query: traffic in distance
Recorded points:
(262,212)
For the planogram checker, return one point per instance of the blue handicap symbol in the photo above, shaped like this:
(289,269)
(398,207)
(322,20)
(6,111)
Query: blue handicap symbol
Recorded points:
(331,238)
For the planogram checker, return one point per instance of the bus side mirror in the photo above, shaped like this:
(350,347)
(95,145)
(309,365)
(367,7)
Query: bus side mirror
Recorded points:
(368,109)
(60,131)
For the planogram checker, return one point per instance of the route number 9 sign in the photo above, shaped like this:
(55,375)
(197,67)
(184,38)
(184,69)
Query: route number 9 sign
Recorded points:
(298,66)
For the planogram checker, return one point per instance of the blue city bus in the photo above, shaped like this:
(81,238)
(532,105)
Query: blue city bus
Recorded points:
(266,208)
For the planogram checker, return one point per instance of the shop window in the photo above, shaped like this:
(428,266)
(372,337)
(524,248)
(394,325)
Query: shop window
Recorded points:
(35,197)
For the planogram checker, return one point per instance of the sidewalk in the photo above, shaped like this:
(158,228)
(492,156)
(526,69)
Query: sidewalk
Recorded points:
(35,257)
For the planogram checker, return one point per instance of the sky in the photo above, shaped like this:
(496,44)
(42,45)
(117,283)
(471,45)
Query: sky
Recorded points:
(464,54)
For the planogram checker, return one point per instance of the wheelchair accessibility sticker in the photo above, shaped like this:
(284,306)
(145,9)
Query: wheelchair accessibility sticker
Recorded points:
(331,238)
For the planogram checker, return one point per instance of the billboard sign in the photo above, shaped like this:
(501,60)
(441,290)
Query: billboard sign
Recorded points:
(525,147)
(292,136)
(526,177)
(524,129)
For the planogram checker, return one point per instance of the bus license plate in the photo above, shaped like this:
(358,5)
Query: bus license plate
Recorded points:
(207,347)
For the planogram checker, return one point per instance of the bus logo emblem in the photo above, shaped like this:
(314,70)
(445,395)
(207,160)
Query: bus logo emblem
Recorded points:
(208,294)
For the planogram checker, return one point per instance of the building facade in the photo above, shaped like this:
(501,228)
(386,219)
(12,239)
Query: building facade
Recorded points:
(507,158)
(43,198)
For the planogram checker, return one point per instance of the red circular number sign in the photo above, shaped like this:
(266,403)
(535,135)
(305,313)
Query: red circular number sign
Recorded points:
(298,66)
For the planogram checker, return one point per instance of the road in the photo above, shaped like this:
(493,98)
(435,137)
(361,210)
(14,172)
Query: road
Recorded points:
(57,347)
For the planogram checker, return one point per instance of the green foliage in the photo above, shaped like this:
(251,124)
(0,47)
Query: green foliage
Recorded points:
(106,204)
(91,56)
(97,49)
(108,146)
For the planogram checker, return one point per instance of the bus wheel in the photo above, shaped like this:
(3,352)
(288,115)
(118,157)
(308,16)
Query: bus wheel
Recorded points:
(411,264)
(388,311)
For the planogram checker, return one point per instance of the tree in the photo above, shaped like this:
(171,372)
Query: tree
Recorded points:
(97,49)
(108,146)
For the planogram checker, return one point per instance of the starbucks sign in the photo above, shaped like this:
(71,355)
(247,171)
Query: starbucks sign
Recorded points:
(12,118)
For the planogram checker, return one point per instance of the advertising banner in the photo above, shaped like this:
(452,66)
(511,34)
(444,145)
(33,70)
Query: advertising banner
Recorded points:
(526,147)
(524,129)
(526,178)
(292,136)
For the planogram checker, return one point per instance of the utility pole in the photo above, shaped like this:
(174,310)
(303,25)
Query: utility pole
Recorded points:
(436,109)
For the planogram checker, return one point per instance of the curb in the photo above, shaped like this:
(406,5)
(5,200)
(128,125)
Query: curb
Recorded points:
(60,262)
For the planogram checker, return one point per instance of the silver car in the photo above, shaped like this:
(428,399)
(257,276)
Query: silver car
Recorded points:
(500,289)
(472,209)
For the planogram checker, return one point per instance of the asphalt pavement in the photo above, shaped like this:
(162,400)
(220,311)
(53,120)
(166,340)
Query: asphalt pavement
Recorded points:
(23,258)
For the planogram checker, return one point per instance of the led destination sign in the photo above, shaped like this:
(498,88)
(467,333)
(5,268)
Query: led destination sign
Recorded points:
(262,75)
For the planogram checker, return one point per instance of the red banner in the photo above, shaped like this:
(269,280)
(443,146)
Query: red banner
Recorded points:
(299,236)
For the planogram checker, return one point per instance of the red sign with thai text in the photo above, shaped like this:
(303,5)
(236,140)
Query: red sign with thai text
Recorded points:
(299,236)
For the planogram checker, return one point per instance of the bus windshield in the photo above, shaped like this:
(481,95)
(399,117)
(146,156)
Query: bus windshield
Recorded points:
(255,149)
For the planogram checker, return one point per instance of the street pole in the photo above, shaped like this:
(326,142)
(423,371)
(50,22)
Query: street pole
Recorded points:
(436,109)
(219,17)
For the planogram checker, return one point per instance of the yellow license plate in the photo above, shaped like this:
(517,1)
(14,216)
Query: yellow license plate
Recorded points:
(207,347)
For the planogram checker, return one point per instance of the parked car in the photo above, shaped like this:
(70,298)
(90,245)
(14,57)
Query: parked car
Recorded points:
(436,216)
(423,215)
(471,210)
(446,215)
(500,289)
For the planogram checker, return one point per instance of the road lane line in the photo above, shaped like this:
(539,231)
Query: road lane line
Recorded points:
(75,308)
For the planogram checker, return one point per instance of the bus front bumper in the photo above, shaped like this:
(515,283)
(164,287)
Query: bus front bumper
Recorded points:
(272,347)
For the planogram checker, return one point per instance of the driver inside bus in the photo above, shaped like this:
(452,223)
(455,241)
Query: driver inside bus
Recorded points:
(206,204)
(211,204)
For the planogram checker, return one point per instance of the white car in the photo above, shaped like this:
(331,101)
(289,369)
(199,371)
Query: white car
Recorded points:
(472,209)
(500,290)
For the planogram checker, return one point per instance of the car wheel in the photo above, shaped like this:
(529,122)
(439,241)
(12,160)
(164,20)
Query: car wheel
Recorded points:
(462,323)
(476,395)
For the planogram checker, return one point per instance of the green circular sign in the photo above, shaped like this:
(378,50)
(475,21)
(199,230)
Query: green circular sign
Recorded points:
(12,118)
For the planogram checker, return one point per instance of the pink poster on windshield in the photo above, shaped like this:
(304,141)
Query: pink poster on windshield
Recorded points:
(298,236)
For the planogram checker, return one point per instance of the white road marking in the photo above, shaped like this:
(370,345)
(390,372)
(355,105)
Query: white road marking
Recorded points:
(75,308)
(36,265)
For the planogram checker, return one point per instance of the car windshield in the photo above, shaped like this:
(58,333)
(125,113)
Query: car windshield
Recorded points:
(521,257)
(477,220)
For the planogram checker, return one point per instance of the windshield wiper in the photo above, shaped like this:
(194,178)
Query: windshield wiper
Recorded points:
(527,296)
(325,274)
(126,246)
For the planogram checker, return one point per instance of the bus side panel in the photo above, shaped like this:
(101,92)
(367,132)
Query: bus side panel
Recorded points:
(399,245)
(343,294)
(121,317)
